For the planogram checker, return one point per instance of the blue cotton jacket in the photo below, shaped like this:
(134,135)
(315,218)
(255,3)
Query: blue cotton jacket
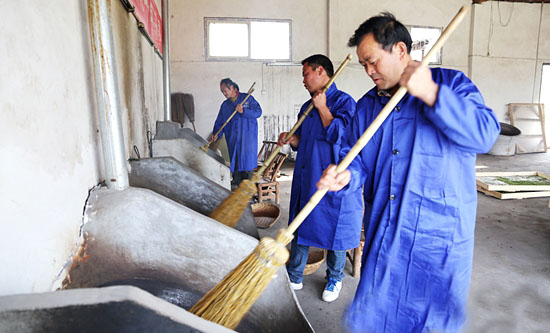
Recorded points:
(418,172)
(241,133)
(335,223)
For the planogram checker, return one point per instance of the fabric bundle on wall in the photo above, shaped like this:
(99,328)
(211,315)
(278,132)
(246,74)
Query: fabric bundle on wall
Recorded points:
(183,106)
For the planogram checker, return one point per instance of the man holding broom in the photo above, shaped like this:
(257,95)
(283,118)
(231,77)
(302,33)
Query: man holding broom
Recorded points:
(335,224)
(419,186)
(241,132)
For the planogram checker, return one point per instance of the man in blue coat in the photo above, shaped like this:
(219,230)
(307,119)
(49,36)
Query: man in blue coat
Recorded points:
(418,173)
(241,133)
(335,224)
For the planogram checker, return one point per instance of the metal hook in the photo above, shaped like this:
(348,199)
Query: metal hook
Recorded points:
(136,150)
(150,143)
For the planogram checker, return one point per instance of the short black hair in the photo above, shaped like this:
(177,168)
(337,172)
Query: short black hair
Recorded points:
(320,60)
(229,83)
(386,29)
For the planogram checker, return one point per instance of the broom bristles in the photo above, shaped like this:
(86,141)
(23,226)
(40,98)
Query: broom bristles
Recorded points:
(232,208)
(229,301)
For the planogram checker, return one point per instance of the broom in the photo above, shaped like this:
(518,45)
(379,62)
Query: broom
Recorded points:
(227,303)
(231,209)
(205,147)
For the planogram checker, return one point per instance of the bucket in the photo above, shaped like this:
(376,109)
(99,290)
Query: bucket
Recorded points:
(506,141)
(315,258)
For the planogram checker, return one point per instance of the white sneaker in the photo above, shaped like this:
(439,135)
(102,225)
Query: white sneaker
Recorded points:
(296,286)
(332,290)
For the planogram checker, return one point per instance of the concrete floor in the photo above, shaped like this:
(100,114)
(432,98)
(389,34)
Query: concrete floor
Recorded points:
(510,289)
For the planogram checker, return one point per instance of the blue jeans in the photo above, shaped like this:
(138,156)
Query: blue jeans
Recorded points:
(336,261)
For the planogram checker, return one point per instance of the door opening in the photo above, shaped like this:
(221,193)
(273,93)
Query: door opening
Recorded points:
(545,97)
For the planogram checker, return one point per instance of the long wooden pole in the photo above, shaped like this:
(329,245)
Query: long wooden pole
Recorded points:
(231,209)
(369,132)
(229,300)
(302,118)
(250,91)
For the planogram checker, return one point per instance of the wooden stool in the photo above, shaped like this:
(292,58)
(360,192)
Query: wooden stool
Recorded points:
(268,186)
(268,190)
(354,256)
(265,151)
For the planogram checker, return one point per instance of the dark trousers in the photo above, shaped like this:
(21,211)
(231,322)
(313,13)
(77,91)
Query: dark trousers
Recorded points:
(239,176)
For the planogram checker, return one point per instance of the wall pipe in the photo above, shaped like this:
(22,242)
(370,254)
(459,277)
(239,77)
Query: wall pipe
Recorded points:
(108,99)
(166,60)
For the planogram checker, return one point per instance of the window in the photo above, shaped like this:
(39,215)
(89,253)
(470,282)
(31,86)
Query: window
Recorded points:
(423,38)
(237,39)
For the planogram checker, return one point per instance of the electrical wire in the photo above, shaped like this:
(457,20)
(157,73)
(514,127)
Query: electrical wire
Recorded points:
(490,31)
(537,54)
(500,16)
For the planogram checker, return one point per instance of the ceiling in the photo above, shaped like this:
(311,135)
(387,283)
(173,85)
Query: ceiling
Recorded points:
(526,1)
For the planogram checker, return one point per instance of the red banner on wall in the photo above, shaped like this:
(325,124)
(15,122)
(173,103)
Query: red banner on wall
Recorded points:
(147,14)
(155,25)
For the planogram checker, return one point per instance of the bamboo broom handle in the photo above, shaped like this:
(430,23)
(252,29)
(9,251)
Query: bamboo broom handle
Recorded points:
(250,91)
(325,88)
(369,132)
(301,120)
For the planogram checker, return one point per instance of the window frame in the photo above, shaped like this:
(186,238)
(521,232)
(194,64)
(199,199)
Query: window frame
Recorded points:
(247,21)
(439,55)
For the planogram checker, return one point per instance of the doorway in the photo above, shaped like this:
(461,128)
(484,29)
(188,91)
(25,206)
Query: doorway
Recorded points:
(544,97)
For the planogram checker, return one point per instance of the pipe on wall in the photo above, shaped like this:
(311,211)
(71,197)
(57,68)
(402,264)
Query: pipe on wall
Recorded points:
(108,99)
(166,60)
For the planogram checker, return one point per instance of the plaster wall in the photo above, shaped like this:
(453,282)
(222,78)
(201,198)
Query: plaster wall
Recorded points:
(317,27)
(278,87)
(346,16)
(48,120)
(509,73)
(139,70)
(509,46)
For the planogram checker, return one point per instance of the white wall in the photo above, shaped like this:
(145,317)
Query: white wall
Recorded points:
(506,63)
(281,85)
(49,130)
(317,27)
(510,74)
(346,16)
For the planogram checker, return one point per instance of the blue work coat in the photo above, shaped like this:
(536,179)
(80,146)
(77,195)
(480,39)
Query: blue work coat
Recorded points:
(418,173)
(241,133)
(335,224)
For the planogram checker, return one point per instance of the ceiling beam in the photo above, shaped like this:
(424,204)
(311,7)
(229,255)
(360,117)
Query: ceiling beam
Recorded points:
(526,1)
